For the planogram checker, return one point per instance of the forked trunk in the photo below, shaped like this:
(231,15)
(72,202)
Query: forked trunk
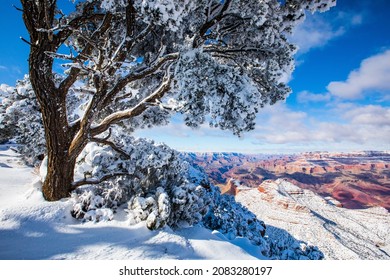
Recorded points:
(39,17)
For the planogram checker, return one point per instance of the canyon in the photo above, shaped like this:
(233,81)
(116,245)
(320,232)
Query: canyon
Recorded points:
(337,202)
(357,180)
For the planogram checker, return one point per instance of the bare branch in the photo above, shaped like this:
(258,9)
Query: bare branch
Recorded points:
(213,49)
(75,23)
(136,110)
(112,145)
(74,72)
(77,184)
(18,9)
(124,96)
(121,53)
(134,76)
(27,42)
(217,14)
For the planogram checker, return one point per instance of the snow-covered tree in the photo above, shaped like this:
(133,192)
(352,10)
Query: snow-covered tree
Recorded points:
(6,131)
(20,120)
(140,60)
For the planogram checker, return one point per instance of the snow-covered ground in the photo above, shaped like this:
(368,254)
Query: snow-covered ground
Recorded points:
(339,233)
(32,228)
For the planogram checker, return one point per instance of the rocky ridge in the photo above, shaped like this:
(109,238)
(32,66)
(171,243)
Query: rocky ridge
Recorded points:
(357,180)
(338,233)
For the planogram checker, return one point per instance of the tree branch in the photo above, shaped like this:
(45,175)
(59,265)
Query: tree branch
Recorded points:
(74,72)
(213,49)
(27,42)
(211,21)
(134,76)
(136,110)
(18,9)
(124,49)
(77,184)
(112,145)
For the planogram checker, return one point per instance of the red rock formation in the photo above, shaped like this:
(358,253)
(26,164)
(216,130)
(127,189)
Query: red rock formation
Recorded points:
(230,188)
(357,180)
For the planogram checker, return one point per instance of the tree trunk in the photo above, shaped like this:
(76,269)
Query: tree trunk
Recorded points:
(38,16)
(59,137)
(60,167)
(59,177)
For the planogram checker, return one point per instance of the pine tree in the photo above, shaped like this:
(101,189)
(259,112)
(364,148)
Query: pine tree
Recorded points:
(139,61)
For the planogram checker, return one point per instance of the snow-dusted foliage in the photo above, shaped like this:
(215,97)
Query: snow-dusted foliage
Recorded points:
(285,247)
(7,131)
(167,13)
(232,219)
(20,120)
(94,204)
(155,186)
(204,85)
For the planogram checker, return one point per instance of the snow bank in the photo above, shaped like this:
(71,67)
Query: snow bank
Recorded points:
(32,228)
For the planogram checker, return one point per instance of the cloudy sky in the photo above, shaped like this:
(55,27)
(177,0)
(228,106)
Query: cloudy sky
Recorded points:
(341,87)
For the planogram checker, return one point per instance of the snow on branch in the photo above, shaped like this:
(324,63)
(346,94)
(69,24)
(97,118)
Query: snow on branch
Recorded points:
(84,54)
(112,145)
(141,106)
(104,178)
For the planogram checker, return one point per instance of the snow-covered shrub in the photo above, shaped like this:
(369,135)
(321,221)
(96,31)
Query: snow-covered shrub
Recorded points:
(91,206)
(233,219)
(155,187)
(286,247)
(6,131)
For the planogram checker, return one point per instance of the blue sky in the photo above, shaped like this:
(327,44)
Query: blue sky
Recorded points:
(341,86)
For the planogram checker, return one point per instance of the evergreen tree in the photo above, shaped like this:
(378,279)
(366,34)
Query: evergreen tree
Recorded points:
(139,61)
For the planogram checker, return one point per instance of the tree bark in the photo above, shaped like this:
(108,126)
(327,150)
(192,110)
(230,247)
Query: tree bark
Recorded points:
(59,178)
(38,16)
(58,135)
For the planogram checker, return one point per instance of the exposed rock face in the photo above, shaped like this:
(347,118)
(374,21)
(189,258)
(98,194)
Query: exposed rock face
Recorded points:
(357,180)
(233,187)
(279,194)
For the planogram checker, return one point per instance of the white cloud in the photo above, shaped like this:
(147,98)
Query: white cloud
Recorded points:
(2,67)
(373,75)
(280,128)
(306,96)
(367,126)
(357,20)
(278,124)
(319,29)
(369,115)
(314,32)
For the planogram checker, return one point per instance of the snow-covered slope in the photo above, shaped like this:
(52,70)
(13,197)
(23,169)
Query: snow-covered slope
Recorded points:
(338,232)
(31,228)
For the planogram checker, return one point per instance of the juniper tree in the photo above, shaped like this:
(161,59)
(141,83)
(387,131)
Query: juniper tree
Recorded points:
(139,61)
